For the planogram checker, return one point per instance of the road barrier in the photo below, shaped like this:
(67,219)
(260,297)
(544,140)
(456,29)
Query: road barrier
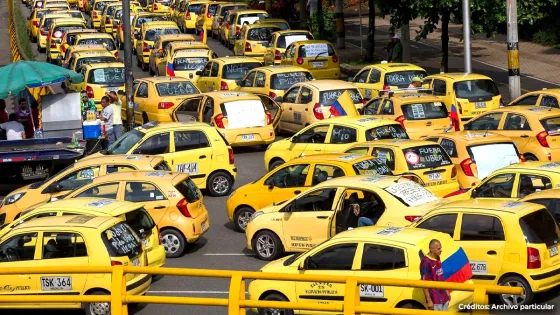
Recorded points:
(236,302)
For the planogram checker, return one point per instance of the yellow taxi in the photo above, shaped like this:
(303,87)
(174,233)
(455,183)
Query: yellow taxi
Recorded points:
(198,49)
(220,14)
(136,25)
(70,178)
(309,102)
(69,40)
(191,11)
(159,6)
(99,78)
(333,135)
(134,214)
(193,148)
(477,154)
(294,177)
(237,19)
(548,198)
(253,39)
(535,130)
(187,62)
(373,79)
(419,114)
(74,49)
(57,4)
(161,42)
(469,93)
(44,28)
(98,39)
(281,23)
(105,22)
(225,73)
(318,56)
(77,60)
(57,30)
(177,10)
(155,98)
(544,97)
(116,17)
(68,241)
(280,41)
(333,206)
(508,243)
(148,35)
(33,23)
(423,162)
(206,16)
(274,81)
(171,199)
(243,119)
(358,253)
(96,10)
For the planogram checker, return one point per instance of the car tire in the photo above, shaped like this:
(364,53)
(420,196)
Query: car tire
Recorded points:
(241,218)
(516,281)
(275,297)
(267,246)
(97,308)
(173,242)
(145,118)
(145,66)
(411,305)
(275,164)
(530,157)
(219,184)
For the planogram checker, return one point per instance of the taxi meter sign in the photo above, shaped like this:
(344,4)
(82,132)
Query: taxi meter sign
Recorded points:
(412,157)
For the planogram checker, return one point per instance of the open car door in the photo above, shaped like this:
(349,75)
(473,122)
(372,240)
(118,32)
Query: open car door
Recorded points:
(272,107)
(187,111)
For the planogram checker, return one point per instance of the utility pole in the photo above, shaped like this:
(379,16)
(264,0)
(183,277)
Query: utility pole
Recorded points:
(513,50)
(128,64)
(467,34)
(340,32)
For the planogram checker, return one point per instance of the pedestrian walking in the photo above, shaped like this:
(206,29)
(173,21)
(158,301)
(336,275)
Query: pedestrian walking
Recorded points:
(432,270)
(107,117)
(390,45)
(14,129)
(396,53)
(117,110)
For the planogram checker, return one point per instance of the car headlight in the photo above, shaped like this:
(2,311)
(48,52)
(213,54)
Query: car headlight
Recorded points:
(13,198)
(256,214)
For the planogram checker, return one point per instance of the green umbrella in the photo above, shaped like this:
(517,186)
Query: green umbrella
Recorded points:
(17,76)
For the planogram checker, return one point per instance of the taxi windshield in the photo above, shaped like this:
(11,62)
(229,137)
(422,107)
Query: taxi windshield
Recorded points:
(112,76)
(81,61)
(426,156)
(403,79)
(236,71)
(151,34)
(261,33)
(126,142)
(551,125)
(476,88)
(120,240)
(64,29)
(250,18)
(371,167)
(327,98)
(386,132)
(283,81)
(228,8)
(175,88)
(420,111)
(410,193)
(189,63)
(195,8)
(110,45)
(143,20)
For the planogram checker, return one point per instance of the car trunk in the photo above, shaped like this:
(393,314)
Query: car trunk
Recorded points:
(124,248)
(243,114)
(423,119)
(430,163)
(192,196)
(476,96)
(542,236)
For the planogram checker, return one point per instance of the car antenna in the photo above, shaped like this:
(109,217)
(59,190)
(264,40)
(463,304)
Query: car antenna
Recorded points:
(399,178)
(486,132)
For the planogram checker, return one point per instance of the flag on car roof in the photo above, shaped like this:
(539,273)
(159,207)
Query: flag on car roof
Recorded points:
(344,106)
(170,71)
(457,268)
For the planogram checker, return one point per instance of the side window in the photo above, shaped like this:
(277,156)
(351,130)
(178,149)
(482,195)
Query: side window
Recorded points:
(449,147)
(63,245)
(19,248)
(158,144)
(142,90)
(362,77)
(549,101)
(372,107)
(291,95)
(551,204)
(375,76)
(476,227)
(439,87)
(380,257)
(119,168)
(337,257)
(529,184)
(206,70)
(322,173)
(78,178)
(290,176)
(499,186)
(249,79)
(387,156)
(306,96)
(444,223)
(208,111)
(139,192)
(527,100)
(215,70)
(343,135)
(108,191)
(486,122)
(261,79)
(318,200)
(190,140)
(387,108)
(317,134)
(516,122)
(358,150)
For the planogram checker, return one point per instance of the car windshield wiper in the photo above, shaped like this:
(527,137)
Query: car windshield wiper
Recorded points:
(320,54)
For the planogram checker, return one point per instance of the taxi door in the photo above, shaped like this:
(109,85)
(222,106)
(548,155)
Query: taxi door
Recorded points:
(517,128)
(191,153)
(188,110)
(273,108)
(206,80)
(290,120)
(155,201)
(140,98)
(311,140)
(283,183)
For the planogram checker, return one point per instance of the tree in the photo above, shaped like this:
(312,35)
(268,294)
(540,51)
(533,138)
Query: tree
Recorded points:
(370,49)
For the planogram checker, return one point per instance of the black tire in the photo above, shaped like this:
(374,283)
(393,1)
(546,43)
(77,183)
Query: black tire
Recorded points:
(173,242)
(530,157)
(513,281)
(145,118)
(97,308)
(219,184)
(262,243)
(150,70)
(411,305)
(275,164)
(145,66)
(241,218)
(276,297)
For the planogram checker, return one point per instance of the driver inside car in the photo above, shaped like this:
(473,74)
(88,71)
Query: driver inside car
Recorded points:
(368,211)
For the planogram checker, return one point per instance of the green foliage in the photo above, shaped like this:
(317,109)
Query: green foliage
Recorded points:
(323,25)
(21,31)
(547,38)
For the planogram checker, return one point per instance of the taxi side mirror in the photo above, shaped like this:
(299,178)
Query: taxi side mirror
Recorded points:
(304,264)
(199,72)
(473,194)
(54,188)
(270,186)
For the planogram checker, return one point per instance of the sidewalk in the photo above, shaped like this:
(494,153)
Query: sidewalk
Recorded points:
(5,54)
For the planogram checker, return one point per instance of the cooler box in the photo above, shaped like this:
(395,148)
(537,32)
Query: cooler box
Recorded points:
(92,131)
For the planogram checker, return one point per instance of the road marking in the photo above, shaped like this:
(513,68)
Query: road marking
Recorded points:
(228,254)
(191,292)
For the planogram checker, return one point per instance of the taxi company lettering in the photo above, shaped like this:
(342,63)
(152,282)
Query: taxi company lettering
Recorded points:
(431,154)
(11,288)
(321,288)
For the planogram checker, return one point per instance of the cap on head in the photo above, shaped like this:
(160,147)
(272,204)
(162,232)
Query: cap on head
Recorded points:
(416,79)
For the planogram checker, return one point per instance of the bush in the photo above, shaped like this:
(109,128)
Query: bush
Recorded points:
(547,38)
(323,25)
(21,31)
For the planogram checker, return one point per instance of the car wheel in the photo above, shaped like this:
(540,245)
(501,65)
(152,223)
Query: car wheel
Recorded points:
(516,281)
(530,157)
(411,305)
(275,164)
(219,184)
(267,245)
(97,308)
(241,218)
(275,311)
(145,118)
(173,242)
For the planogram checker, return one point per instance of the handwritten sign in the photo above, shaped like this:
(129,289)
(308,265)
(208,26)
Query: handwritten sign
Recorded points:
(244,114)
(418,111)
(100,203)
(402,77)
(283,81)
(449,147)
(248,19)
(349,157)
(314,50)
(189,63)
(411,193)
(108,75)
(389,132)
(122,239)
(329,97)
(372,167)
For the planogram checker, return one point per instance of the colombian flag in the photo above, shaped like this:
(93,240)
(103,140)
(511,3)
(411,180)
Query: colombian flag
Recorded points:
(457,268)
(170,70)
(344,106)
(454,117)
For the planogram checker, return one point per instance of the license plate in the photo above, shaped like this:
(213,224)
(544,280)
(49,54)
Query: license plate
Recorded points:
(136,262)
(553,251)
(247,137)
(479,267)
(56,283)
(480,105)
(368,290)
(434,176)
(112,89)
(204,226)
(317,64)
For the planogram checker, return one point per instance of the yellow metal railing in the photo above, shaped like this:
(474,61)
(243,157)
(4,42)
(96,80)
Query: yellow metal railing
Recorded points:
(236,302)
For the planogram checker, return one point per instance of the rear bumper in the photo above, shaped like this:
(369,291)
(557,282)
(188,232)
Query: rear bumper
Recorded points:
(546,280)
(262,135)
(156,257)
(140,285)
(195,230)
(331,73)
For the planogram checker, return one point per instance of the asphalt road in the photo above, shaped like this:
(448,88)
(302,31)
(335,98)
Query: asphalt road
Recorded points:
(221,247)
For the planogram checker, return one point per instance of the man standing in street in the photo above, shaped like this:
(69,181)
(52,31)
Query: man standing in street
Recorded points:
(107,117)
(117,120)
(432,270)
(14,129)
(87,104)
(396,54)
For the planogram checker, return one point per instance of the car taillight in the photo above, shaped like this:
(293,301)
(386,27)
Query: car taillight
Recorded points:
(107,20)
(116,54)
(541,137)
(522,158)
(53,44)
(165,105)
(299,61)
(188,16)
(412,218)
(268,118)
(248,47)
(401,120)
(453,172)
(466,167)
(533,258)
(219,120)
(227,25)
(43,32)
(230,153)
(182,206)
(208,15)
(223,86)
(48,36)
(460,108)
(116,263)
(335,59)
(156,7)
(277,55)
(237,30)
(318,112)
(455,193)
(145,47)
(35,23)
(63,48)
(272,95)
(94,15)
(89,91)
(122,27)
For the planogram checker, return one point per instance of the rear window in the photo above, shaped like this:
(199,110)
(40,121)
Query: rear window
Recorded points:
(120,240)
(420,111)
(65,29)
(476,88)
(163,166)
(188,189)
(140,221)
(283,81)
(114,76)
(98,41)
(212,8)
(100,6)
(225,10)
(386,132)
(77,15)
(327,98)
(48,22)
(315,50)
(189,63)
(143,20)
(112,9)
(286,40)
(261,33)
(81,61)
(540,227)
(403,79)
(428,156)
(176,88)
(40,14)
(551,125)
(194,8)
(236,71)
(250,18)
(151,34)
(371,167)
